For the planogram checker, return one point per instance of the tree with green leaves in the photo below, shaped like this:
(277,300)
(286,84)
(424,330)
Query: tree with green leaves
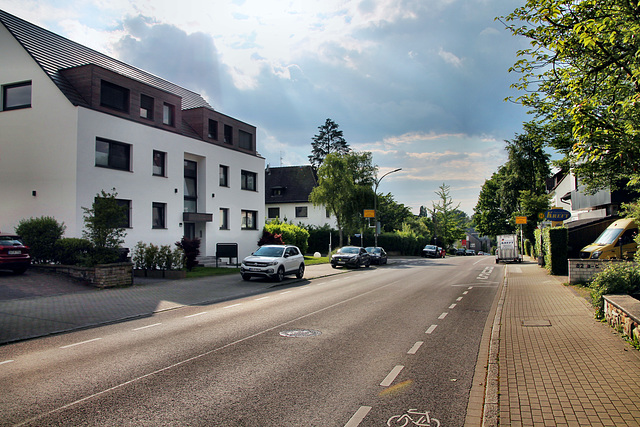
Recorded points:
(104,221)
(345,188)
(581,78)
(391,214)
(446,219)
(328,140)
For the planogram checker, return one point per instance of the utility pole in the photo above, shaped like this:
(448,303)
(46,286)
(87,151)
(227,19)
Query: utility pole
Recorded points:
(375,207)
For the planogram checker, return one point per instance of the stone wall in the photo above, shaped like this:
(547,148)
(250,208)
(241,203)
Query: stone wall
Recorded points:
(582,270)
(623,311)
(100,276)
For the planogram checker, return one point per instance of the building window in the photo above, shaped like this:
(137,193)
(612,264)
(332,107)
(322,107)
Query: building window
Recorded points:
(168,114)
(159,159)
(190,186)
(228,134)
(114,96)
(146,107)
(213,129)
(328,213)
(273,213)
(277,191)
(224,219)
(111,154)
(224,176)
(16,96)
(249,220)
(159,215)
(301,211)
(248,181)
(245,140)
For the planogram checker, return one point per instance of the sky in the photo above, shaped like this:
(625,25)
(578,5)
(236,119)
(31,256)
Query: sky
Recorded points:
(421,84)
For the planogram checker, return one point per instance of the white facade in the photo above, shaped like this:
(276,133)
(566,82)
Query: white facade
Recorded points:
(304,213)
(48,167)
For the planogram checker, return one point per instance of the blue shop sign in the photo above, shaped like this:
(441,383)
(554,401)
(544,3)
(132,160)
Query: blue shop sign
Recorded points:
(557,215)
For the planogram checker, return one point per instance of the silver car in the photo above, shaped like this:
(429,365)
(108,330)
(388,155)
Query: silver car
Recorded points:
(274,262)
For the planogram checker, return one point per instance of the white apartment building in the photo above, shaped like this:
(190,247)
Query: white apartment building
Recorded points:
(74,122)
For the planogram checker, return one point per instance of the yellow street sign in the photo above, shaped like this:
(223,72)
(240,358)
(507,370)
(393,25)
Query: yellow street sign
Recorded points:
(521,220)
(369,213)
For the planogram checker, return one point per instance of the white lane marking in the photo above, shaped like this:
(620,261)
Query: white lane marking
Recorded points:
(442,316)
(470,287)
(6,361)
(148,326)
(259,299)
(452,306)
(357,418)
(201,355)
(459,299)
(194,315)
(415,347)
(80,343)
(392,376)
(285,292)
(233,305)
(431,329)
(465,292)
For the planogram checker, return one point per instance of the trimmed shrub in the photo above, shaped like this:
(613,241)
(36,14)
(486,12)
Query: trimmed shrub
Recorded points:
(72,251)
(152,257)
(41,234)
(191,250)
(291,234)
(270,239)
(555,242)
(616,278)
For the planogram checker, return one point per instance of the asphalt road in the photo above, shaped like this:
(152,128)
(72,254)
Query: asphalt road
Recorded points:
(372,347)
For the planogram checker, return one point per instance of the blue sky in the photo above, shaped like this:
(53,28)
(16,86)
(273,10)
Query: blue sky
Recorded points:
(419,83)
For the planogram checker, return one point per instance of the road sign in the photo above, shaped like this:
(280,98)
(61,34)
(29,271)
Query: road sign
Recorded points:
(521,220)
(369,213)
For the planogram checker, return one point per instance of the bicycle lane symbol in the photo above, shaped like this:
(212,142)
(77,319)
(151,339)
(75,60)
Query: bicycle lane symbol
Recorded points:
(414,417)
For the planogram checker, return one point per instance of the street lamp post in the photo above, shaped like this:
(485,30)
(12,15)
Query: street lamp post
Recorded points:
(375,206)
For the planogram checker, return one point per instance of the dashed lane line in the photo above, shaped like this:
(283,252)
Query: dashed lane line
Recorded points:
(389,379)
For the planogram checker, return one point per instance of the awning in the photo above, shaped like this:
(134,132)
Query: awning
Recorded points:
(197,217)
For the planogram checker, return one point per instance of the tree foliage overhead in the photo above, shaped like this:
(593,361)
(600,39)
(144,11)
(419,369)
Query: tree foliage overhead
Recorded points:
(345,187)
(391,214)
(581,77)
(328,140)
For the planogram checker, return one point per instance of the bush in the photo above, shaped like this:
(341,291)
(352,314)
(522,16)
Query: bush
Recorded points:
(291,234)
(191,250)
(152,257)
(41,234)
(270,239)
(616,278)
(555,250)
(72,251)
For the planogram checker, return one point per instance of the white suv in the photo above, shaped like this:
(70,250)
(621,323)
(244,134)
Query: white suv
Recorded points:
(273,261)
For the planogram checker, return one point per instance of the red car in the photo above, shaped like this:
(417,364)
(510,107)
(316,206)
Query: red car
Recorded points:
(13,254)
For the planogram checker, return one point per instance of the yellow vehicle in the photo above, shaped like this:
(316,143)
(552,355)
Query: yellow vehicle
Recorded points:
(616,242)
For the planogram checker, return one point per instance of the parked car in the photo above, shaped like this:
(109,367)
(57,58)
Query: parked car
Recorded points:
(14,255)
(430,251)
(351,256)
(377,254)
(274,262)
(470,252)
(461,251)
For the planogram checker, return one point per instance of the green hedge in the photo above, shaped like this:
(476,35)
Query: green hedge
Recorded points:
(72,251)
(555,250)
(616,278)
(291,234)
(41,234)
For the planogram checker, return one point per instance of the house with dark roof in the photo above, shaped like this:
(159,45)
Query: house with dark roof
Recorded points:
(287,191)
(75,122)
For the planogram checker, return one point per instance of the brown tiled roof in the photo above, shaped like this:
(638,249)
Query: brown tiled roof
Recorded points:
(54,53)
(292,184)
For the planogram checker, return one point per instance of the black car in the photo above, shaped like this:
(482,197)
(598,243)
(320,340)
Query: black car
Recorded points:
(351,256)
(377,254)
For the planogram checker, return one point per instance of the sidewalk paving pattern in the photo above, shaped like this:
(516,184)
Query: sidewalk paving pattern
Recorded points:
(558,366)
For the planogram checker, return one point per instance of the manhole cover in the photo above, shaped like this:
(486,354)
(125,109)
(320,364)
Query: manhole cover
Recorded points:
(535,323)
(300,333)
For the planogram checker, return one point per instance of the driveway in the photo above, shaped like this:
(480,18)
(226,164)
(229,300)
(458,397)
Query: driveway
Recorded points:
(36,284)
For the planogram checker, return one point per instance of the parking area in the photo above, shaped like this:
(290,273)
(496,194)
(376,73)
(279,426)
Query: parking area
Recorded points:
(36,284)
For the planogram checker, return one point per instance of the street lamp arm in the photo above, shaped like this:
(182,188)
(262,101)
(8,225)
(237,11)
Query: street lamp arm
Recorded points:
(375,210)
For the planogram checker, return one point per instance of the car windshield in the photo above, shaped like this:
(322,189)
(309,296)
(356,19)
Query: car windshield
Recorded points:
(9,241)
(430,247)
(373,250)
(349,250)
(608,236)
(269,251)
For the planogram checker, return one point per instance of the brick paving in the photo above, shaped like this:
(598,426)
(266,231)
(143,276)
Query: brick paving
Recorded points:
(558,366)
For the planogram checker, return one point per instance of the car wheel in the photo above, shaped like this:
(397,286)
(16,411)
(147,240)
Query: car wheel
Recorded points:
(367,264)
(300,273)
(280,275)
(245,276)
(334,266)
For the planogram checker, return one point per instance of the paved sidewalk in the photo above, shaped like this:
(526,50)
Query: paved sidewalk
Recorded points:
(558,366)
(24,318)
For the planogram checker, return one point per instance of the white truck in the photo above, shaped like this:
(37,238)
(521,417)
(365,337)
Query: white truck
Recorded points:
(507,250)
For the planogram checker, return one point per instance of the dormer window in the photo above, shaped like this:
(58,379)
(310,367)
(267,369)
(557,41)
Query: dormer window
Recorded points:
(146,107)
(168,114)
(277,191)
(114,96)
